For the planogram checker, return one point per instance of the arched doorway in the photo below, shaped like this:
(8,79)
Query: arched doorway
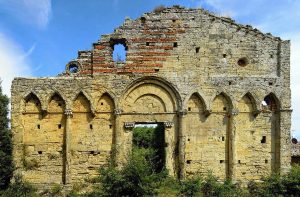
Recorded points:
(151,101)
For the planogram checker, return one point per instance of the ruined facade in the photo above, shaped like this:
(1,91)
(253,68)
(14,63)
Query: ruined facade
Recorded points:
(221,89)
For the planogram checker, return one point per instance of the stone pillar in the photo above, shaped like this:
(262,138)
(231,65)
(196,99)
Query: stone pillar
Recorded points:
(169,148)
(66,147)
(284,160)
(117,136)
(232,161)
(181,142)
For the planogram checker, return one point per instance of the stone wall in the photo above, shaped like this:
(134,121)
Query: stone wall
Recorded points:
(203,76)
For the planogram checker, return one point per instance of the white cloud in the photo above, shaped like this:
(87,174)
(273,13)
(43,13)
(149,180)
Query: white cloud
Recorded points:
(13,62)
(34,12)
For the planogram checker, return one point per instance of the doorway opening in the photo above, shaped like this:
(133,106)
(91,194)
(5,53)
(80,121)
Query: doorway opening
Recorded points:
(148,142)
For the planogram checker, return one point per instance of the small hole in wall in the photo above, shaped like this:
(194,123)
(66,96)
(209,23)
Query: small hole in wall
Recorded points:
(59,126)
(223,138)
(156,70)
(188,161)
(224,55)
(270,83)
(224,108)
(143,20)
(39,126)
(59,104)
(221,161)
(174,20)
(263,140)
(239,161)
(91,126)
(147,43)
(40,152)
(189,139)
(92,152)
(110,126)
(189,109)
(266,161)
(101,103)
(242,62)
(197,49)
(271,55)
(229,83)
(175,44)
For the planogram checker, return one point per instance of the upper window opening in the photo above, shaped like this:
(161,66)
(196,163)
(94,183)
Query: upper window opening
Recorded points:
(119,50)
(119,54)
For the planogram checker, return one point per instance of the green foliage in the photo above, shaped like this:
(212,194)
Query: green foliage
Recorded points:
(6,165)
(150,142)
(211,187)
(55,191)
(136,178)
(191,186)
(19,188)
(169,186)
(291,181)
(277,185)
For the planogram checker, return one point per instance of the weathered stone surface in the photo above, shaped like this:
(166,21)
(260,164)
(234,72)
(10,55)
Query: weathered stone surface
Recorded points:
(204,76)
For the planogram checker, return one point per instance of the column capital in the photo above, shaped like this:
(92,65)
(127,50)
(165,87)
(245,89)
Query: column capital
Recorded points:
(68,112)
(182,112)
(168,124)
(234,112)
(129,125)
(118,111)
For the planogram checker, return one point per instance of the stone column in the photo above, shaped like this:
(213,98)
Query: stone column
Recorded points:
(232,144)
(284,140)
(66,147)
(169,148)
(117,136)
(181,142)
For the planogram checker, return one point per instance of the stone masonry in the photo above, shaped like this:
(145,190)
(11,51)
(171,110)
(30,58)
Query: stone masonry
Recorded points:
(221,89)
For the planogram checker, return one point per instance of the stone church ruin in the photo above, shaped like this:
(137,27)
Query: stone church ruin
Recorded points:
(220,89)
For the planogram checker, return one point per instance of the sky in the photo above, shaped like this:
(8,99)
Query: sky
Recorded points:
(39,37)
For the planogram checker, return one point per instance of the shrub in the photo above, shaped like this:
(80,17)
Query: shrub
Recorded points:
(271,185)
(136,178)
(228,188)
(54,191)
(291,181)
(210,186)
(19,188)
(191,186)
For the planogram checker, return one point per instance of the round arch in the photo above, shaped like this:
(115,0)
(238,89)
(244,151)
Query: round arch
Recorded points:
(161,88)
